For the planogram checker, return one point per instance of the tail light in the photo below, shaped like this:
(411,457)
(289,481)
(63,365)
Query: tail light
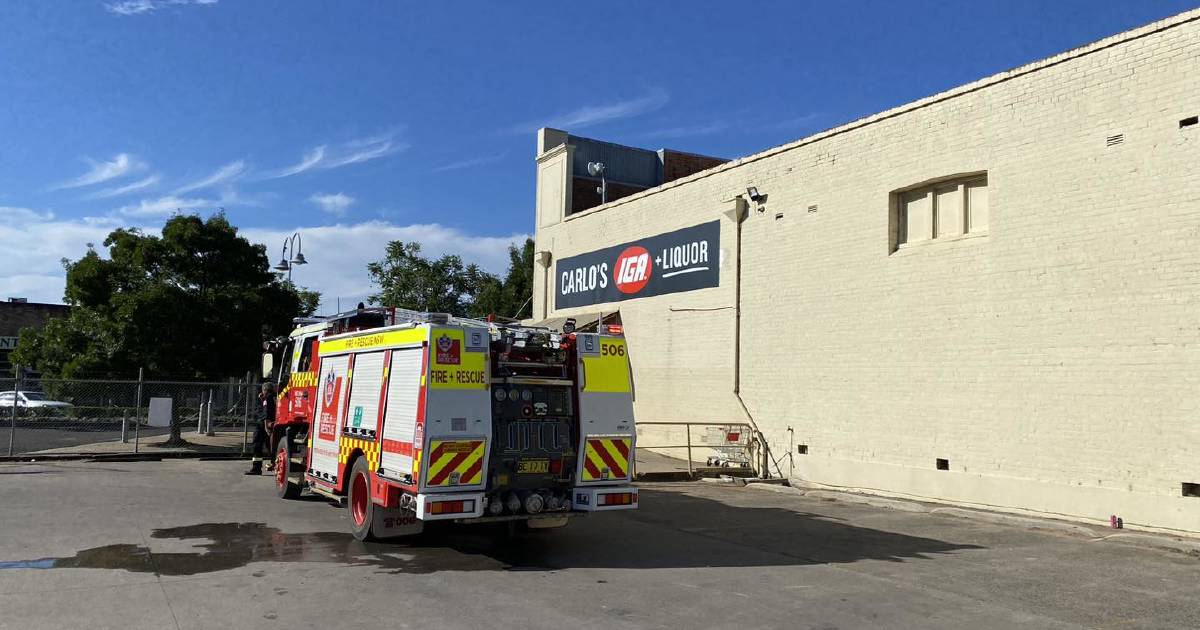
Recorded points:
(451,507)
(556,466)
(618,498)
(615,329)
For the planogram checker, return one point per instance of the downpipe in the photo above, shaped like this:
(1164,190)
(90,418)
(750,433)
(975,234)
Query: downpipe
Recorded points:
(739,213)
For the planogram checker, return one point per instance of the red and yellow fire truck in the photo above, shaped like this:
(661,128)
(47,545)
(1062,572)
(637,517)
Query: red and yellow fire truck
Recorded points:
(413,417)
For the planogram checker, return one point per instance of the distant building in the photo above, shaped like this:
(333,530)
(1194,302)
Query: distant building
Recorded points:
(563,168)
(989,296)
(18,313)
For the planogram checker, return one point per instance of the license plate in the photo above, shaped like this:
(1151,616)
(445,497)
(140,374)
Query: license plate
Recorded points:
(533,466)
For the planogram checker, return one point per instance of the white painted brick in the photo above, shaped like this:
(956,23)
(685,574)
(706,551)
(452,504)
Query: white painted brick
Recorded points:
(1054,362)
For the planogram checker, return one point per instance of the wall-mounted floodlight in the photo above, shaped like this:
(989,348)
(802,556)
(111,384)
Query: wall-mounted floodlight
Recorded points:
(753,194)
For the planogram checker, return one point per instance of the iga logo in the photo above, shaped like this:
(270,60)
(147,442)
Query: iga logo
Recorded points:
(633,269)
(330,388)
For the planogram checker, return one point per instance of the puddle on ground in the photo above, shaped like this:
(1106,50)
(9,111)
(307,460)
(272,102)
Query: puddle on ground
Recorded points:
(223,546)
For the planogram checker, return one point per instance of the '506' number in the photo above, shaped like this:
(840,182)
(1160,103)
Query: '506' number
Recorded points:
(612,349)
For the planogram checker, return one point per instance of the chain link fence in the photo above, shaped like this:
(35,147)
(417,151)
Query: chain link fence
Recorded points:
(77,416)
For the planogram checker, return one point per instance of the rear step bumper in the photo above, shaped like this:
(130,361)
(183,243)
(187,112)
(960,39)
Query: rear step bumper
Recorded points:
(546,516)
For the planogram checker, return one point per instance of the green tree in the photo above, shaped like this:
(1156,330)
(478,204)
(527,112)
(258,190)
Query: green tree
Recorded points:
(406,279)
(195,302)
(509,298)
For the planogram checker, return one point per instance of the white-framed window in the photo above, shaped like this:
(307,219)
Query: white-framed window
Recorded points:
(947,208)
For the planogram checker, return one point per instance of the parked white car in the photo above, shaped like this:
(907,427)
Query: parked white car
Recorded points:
(31,401)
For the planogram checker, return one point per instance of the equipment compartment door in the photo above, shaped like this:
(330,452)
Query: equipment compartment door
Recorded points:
(400,416)
(331,401)
(605,410)
(366,388)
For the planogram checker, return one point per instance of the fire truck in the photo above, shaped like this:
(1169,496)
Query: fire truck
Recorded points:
(409,418)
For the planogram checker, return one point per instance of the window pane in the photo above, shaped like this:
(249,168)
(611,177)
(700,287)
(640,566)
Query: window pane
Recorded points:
(918,212)
(977,206)
(949,210)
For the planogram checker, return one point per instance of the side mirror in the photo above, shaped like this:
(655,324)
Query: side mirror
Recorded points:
(268,365)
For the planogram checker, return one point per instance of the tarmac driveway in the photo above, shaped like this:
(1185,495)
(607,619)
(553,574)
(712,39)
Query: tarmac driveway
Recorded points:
(194,544)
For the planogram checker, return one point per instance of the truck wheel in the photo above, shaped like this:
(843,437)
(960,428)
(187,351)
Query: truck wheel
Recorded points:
(285,486)
(358,491)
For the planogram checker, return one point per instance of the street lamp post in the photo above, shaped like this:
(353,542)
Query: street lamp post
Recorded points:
(293,243)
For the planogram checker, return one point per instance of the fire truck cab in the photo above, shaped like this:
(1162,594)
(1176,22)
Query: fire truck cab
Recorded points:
(416,417)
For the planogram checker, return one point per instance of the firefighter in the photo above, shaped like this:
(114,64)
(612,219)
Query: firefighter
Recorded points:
(262,430)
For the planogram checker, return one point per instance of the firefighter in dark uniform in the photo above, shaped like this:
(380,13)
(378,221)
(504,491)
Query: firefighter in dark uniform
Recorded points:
(262,430)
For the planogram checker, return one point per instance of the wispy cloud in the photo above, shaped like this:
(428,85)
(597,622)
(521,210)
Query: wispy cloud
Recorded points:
(590,115)
(165,206)
(128,188)
(691,131)
(121,164)
(333,203)
(352,152)
(23,215)
(226,173)
(138,7)
(479,161)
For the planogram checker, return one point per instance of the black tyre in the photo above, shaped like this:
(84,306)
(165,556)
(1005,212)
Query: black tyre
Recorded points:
(358,500)
(287,485)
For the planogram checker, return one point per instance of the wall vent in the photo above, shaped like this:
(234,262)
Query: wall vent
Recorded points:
(1191,489)
(943,464)
(812,208)
(1114,140)
(803,450)
(1188,122)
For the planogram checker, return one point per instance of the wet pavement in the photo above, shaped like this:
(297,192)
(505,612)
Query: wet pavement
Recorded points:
(192,544)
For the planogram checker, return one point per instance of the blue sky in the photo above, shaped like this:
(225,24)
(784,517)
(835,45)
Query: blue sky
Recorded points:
(360,122)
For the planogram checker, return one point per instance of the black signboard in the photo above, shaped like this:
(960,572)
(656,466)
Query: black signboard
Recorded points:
(683,260)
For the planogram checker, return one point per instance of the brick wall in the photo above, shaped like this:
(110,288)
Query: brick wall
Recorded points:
(584,195)
(17,315)
(1053,361)
(677,164)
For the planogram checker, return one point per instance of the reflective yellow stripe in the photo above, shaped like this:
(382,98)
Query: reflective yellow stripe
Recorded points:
(369,448)
(377,340)
(453,448)
(598,462)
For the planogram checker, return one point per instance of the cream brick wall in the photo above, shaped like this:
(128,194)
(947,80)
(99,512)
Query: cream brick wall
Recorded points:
(1055,361)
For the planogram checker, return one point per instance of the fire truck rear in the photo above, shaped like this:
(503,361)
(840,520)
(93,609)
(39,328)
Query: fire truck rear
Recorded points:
(412,417)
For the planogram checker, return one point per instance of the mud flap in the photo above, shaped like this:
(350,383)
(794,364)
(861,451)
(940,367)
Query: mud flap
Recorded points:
(395,522)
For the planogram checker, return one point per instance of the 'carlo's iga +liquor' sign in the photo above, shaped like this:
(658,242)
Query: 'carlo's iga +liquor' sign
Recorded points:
(683,260)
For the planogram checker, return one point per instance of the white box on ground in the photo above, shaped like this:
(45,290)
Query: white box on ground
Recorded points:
(160,412)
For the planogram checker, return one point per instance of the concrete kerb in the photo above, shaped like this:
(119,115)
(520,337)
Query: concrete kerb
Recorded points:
(1164,542)
(122,457)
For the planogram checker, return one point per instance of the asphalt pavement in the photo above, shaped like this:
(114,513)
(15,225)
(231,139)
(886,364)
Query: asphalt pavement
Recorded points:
(195,544)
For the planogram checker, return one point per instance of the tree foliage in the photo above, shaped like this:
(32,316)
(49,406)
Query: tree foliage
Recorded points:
(509,298)
(406,279)
(195,302)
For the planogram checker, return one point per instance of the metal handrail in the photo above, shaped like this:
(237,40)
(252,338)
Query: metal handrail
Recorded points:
(755,437)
